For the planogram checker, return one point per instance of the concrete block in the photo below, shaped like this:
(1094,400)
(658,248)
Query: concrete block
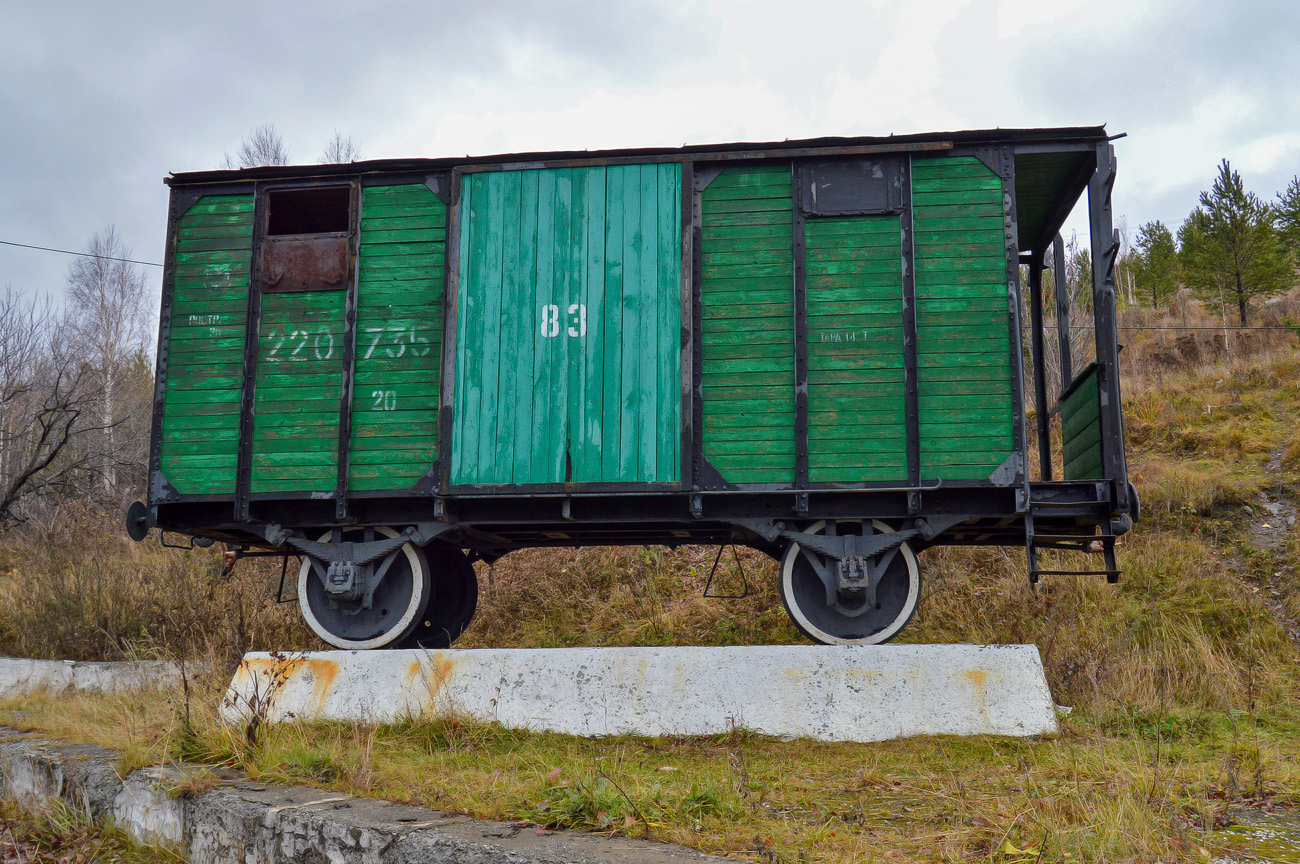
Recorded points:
(19,676)
(829,693)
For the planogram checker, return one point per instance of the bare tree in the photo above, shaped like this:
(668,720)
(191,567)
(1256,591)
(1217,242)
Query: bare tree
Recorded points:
(107,314)
(263,146)
(340,149)
(51,416)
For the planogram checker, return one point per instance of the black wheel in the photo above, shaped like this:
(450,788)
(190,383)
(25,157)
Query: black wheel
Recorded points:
(804,596)
(452,602)
(397,607)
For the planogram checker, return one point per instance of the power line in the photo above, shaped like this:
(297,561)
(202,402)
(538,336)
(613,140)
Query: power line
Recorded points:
(82,254)
(1217,329)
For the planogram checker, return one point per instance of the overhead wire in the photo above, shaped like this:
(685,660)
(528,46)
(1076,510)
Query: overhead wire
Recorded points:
(1216,328)
(82,254)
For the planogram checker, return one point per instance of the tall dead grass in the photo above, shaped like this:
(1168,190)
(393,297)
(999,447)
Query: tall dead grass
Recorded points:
(76,588)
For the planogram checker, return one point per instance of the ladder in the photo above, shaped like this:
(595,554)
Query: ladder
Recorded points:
(1034,542)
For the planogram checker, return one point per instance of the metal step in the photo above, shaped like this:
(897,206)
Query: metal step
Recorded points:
(1035,542)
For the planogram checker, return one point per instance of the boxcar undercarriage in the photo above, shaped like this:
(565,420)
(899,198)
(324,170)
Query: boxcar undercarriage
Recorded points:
(832,370)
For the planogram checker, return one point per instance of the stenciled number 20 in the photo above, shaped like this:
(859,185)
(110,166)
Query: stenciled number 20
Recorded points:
(576,321)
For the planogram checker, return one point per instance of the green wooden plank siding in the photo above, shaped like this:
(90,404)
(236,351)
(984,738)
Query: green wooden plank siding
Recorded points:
(399,337)
(1081,428)
(747,332)
(205,345)
(963,337)
(568,322)
(299,383)
(856,413)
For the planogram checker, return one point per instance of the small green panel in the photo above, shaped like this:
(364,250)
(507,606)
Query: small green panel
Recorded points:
(568,325)
(399,337)
(1081,428)
(747,293)
(856,410)
(205,345)
(965,401)
(299,384)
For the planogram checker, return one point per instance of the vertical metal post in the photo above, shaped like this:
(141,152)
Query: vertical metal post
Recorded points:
(911,397)
(252,329)
(1005,160)
(800,334)
(690,414)
(450,299)
(154,484)
(1040,374)
(344,467)
(1062,312)
(1105,248)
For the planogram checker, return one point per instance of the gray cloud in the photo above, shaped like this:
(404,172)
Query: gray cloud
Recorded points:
(101,101)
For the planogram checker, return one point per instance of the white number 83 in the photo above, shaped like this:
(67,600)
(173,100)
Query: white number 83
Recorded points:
(576,321)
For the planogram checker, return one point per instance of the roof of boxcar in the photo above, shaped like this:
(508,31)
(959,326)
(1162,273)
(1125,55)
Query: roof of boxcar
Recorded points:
(1048,180)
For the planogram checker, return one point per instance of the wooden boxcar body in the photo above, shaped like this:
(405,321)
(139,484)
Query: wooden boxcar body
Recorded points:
(751,343)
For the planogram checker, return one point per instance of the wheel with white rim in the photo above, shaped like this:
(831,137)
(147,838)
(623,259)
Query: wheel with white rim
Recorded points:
(396,607)
(804,595)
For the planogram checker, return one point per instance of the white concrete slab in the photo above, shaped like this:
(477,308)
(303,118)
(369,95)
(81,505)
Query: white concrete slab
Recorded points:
(830,693)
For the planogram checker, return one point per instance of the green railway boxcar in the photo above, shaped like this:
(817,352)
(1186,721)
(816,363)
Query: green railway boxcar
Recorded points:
(814,348)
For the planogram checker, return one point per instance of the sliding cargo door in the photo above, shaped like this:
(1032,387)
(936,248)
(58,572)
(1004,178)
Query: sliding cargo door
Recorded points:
(568,351)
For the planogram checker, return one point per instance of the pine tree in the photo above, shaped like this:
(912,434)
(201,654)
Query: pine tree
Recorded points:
(1231,252)
(1156,265)
(1288,216)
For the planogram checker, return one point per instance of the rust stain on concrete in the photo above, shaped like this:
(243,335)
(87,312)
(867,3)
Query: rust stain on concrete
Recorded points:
(979,681)
(437,671)
(270,674)
(323,672)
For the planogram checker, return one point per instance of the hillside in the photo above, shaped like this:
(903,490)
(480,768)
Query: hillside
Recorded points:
(1182,677)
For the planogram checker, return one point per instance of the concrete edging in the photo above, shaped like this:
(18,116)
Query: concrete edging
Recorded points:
(19,676)
(239,821)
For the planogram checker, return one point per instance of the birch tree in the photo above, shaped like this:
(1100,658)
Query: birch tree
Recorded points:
(108,314)
(340,149)
(263,146)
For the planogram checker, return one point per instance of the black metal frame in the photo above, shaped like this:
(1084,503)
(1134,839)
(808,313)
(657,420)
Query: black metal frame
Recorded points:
(911,381)
(701,507)
(252,330)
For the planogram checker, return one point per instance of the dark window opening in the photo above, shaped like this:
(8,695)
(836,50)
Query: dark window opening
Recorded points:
(852,187)
(308,211)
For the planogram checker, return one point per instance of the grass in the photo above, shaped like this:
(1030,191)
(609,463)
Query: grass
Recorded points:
(1137,783)
(61,834)
(1182,677)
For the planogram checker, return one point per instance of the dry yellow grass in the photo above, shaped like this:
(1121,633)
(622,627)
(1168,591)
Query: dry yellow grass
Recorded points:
(1139,784)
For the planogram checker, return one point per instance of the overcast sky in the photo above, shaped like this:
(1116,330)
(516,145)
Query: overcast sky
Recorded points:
(98,102)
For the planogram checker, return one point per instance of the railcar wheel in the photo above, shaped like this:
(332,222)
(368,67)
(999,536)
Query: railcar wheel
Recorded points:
(451,603)
(804,596)
(396,608)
